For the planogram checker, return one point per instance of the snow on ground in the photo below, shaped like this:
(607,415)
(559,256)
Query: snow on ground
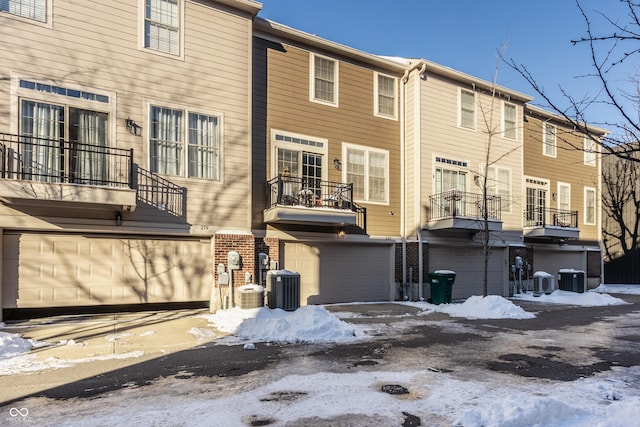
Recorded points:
(607,399)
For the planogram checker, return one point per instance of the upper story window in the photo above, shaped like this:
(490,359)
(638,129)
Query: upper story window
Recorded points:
(549,140)
(324,80)
(467,109)
(509,121)
(189,149)
(368,170)
(37,11)
(385,96)
(589,151)
(162,27)
(589,206)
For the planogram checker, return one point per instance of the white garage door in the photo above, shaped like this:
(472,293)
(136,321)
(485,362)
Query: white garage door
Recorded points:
(468,263)
(54,270)
(554,261)
(332,273)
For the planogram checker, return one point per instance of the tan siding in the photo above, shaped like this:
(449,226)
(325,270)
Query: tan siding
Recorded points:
(289,109)
(410,157)
(96,45)
(568,167)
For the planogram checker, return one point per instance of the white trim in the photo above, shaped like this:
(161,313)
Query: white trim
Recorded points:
(146,135)
(595,206)
(589,151)
(141,20)
(48,22)
(475,109)
(510,170)
(299,147)
(367,150)
(312,75)
(376,106)
(544,140)
(503,121)
(568,187)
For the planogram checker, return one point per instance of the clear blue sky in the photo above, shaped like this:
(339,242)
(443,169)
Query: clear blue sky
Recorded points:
(463,34)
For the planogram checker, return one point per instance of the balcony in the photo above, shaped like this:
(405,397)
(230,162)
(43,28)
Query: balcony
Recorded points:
(456,210)
(293,200)
(45,171)
(550,223)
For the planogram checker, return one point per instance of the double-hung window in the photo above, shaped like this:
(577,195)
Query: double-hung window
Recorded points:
(184,143)
(509,121)
(162,20)
(589,206)
(467,112)
(549,140)
(324,80)
(368,170)
(499,184)
(564,196)
(385,96)
(30,9)
(589,151)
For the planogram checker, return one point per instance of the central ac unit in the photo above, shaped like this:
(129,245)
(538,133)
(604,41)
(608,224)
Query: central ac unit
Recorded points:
(543,283)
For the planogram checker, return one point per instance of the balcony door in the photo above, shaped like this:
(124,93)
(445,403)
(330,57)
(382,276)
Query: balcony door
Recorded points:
(536,202)
(304,166)
(44,157)
(451,184)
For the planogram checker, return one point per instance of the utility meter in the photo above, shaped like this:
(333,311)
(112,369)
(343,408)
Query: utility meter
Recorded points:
(518,262)
(263,260)
(233,260)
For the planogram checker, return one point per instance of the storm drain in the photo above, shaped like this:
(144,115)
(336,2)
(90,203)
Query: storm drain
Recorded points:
(394,389)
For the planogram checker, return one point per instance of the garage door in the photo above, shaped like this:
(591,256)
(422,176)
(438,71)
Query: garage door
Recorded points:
(332,273)
(54,270)
(553,261)
(468,263)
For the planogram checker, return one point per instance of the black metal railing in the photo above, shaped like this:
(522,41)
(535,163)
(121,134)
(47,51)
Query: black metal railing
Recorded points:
(59,161)
(314,193)
(550,217)
(454,203)
(159,192)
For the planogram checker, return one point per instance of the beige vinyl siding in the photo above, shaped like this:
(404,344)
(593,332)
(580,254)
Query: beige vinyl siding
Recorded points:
(568,167)
(442,137)
(353,122)
(55,270)
(95,44)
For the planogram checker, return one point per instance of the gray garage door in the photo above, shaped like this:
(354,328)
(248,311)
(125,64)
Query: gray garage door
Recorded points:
(468,263)
(54,270)
(332,273)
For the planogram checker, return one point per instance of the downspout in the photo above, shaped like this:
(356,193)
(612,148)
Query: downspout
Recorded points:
(418,177)
(403,208)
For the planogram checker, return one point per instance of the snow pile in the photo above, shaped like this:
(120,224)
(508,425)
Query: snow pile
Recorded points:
(587,299)
(618,289)
(310,324)
(489,307)
(12,345)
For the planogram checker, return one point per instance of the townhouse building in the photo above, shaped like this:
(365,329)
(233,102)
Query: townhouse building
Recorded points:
(327,163)
(125,130)
(463,140)
(562,196)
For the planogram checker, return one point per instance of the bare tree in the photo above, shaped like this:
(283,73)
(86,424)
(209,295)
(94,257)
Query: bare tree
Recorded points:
(609,52)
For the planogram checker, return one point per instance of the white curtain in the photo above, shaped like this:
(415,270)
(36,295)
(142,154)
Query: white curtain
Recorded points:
(91,159)
(42,157)
(166,141)
(203,146)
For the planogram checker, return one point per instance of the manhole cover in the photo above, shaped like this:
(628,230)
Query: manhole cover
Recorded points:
(394,389)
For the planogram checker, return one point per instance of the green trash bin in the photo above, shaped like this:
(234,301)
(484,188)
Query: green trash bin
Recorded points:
(441,283)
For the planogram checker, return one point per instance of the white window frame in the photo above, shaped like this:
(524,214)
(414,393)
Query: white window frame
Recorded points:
(505,129)
(142,5)
(546,146)
(275,144)
(48,15)
(590,151)
(460,110)
(504,207)
(18,93)
(312,80)
(564,186)
(367,150)
(376,96)
(185,138)
(592,191)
